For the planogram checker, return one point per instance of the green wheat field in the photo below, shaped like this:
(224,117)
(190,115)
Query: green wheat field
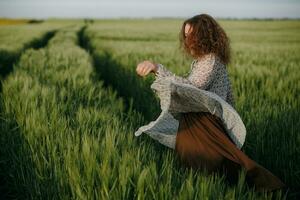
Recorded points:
(71,101)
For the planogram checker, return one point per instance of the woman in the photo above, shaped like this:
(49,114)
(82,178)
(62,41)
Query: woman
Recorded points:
(202,142)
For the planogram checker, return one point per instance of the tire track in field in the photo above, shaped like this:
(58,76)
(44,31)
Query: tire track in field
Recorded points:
(7,59)
(7,62)
(136,93)
(13,160)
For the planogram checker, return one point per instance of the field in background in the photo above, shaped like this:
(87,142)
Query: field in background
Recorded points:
(4,21)
(71,101)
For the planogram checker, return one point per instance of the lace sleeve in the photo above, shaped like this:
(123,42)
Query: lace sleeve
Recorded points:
(162,71)
(201,75)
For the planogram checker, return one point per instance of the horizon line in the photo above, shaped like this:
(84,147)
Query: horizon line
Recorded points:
(154,17)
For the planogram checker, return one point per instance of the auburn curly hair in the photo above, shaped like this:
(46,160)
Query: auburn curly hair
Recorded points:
(206,36)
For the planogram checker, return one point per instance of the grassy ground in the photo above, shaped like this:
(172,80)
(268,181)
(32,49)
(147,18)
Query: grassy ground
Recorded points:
(16,38)
(69,110)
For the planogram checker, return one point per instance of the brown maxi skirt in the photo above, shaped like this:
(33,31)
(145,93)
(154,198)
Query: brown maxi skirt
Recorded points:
(203,143)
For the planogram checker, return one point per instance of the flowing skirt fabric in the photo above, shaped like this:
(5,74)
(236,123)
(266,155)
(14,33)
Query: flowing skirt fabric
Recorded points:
(202,143)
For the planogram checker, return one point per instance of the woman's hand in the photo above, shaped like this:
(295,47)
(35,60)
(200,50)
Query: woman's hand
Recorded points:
(145,68)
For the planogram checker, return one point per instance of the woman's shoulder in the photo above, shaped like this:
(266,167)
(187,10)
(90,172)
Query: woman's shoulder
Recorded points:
(210,59)
(207,60)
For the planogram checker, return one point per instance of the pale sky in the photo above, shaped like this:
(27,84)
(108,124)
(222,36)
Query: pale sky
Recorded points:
(149,8)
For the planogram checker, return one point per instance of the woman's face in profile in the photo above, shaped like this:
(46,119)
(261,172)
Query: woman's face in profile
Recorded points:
(187,29)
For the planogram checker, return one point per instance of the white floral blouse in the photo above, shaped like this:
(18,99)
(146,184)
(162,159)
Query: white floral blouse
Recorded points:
(207,73)
(205,89)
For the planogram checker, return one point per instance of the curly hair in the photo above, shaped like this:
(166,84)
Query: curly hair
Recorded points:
(207,36)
